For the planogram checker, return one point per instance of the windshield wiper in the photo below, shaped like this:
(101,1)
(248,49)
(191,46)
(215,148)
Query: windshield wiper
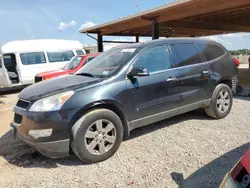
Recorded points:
(86,74)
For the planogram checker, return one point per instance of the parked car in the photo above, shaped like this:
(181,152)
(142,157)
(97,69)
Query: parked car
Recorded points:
(124,88)
(22,60)
(71,67)
(239,176)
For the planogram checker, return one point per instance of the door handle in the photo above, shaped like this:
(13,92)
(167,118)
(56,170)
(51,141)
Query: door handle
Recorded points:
(171,79)
(206,72)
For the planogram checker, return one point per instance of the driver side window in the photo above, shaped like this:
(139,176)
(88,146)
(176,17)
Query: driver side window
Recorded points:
(155,59)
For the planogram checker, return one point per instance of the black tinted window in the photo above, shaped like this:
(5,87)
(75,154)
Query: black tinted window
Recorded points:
(155,59)
(79,52)
(89,59)
(32,58)
(186,54)
(211,51)
(60,56)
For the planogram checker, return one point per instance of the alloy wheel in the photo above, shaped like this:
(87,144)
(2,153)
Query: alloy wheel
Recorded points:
(100,137)
(223,101)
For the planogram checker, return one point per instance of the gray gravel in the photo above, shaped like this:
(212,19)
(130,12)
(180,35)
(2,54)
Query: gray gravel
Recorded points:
(189,150)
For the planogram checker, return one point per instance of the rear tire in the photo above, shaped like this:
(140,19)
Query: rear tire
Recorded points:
(221,102)
(97,135)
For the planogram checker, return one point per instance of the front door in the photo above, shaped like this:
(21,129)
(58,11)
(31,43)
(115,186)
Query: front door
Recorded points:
(4,77)
(154,97)
(194,75)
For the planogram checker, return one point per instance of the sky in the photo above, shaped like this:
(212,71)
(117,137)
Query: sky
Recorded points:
(62,19)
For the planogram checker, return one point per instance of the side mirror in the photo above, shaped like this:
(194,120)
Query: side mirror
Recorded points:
(138,71)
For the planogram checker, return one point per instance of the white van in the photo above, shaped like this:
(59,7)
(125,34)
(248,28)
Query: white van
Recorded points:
(20,61)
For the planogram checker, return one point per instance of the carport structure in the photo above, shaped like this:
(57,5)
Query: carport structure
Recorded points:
(182,18)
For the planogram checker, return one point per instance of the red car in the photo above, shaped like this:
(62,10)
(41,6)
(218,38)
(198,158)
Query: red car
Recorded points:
(239,176)
(71,67)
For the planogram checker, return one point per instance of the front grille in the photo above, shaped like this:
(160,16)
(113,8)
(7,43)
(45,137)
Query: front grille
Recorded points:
(38,79)
(22,104)
(18,119)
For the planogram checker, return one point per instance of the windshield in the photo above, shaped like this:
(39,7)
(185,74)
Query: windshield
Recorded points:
(73,63)
(107,63)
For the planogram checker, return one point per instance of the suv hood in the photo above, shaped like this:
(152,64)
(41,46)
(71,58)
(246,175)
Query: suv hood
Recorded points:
(55,86)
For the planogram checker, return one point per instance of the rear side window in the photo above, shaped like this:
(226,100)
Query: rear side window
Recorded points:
(211,51)
(0,61)
(186,54)
(155,59)
(32,58)
(60,56)
(79,52)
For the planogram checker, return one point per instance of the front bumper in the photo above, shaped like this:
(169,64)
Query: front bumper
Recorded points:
(54,146)
(54,149)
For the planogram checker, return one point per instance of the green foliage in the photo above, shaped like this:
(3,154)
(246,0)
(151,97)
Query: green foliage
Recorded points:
(241,51)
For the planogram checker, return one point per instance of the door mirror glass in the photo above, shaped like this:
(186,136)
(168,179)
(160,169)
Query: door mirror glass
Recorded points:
(138,71)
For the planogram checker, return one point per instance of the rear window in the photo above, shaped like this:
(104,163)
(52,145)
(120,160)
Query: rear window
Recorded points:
(79,52)
(211,51)
(60,56)
(186,54)
(32,58)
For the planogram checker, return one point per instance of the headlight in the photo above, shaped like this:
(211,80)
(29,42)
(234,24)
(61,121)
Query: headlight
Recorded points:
(51,103)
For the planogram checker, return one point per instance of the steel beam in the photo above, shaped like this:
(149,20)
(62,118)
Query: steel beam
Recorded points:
(100,42)
(155,30)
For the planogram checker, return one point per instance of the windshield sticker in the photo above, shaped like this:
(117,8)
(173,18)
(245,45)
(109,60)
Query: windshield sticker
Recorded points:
(129,50)
(105,72)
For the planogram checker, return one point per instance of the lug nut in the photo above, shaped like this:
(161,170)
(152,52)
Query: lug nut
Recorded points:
(96,135)
(104,137)
(103,133)
(100,141)
(99,132)
(97,140)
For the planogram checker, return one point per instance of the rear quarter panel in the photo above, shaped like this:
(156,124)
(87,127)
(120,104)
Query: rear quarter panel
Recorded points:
(223,68)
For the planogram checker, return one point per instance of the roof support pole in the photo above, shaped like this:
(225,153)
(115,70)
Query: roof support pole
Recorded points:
(155,30)
(100,42)
(137,39)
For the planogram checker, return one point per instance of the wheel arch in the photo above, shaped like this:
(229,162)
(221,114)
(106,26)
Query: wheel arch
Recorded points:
(106,104)
(226,81)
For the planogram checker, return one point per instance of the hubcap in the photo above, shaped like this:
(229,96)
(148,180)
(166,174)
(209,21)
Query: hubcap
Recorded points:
(223,101)
(100,137)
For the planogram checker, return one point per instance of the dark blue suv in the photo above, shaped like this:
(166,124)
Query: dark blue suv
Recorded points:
(91,112)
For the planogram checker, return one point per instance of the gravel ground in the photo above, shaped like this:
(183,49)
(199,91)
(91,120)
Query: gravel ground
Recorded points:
(189,150)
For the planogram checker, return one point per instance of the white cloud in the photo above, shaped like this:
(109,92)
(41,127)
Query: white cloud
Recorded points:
(63,25)
(87,25)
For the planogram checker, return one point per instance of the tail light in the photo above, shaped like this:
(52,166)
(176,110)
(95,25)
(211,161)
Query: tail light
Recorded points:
(236,61)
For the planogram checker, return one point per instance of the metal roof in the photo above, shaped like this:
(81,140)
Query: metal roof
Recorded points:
(38,45)
(183,18)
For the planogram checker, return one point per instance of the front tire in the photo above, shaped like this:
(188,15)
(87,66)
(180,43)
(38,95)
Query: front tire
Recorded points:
(97,135)
(221,102)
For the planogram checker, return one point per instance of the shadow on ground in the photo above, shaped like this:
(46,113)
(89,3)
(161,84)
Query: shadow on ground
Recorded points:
(244,98)
(18,153)
(4,92)
(197,115)
(212,174)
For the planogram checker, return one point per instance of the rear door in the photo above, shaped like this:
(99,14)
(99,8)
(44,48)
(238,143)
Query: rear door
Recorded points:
(4,77)
(194,74)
